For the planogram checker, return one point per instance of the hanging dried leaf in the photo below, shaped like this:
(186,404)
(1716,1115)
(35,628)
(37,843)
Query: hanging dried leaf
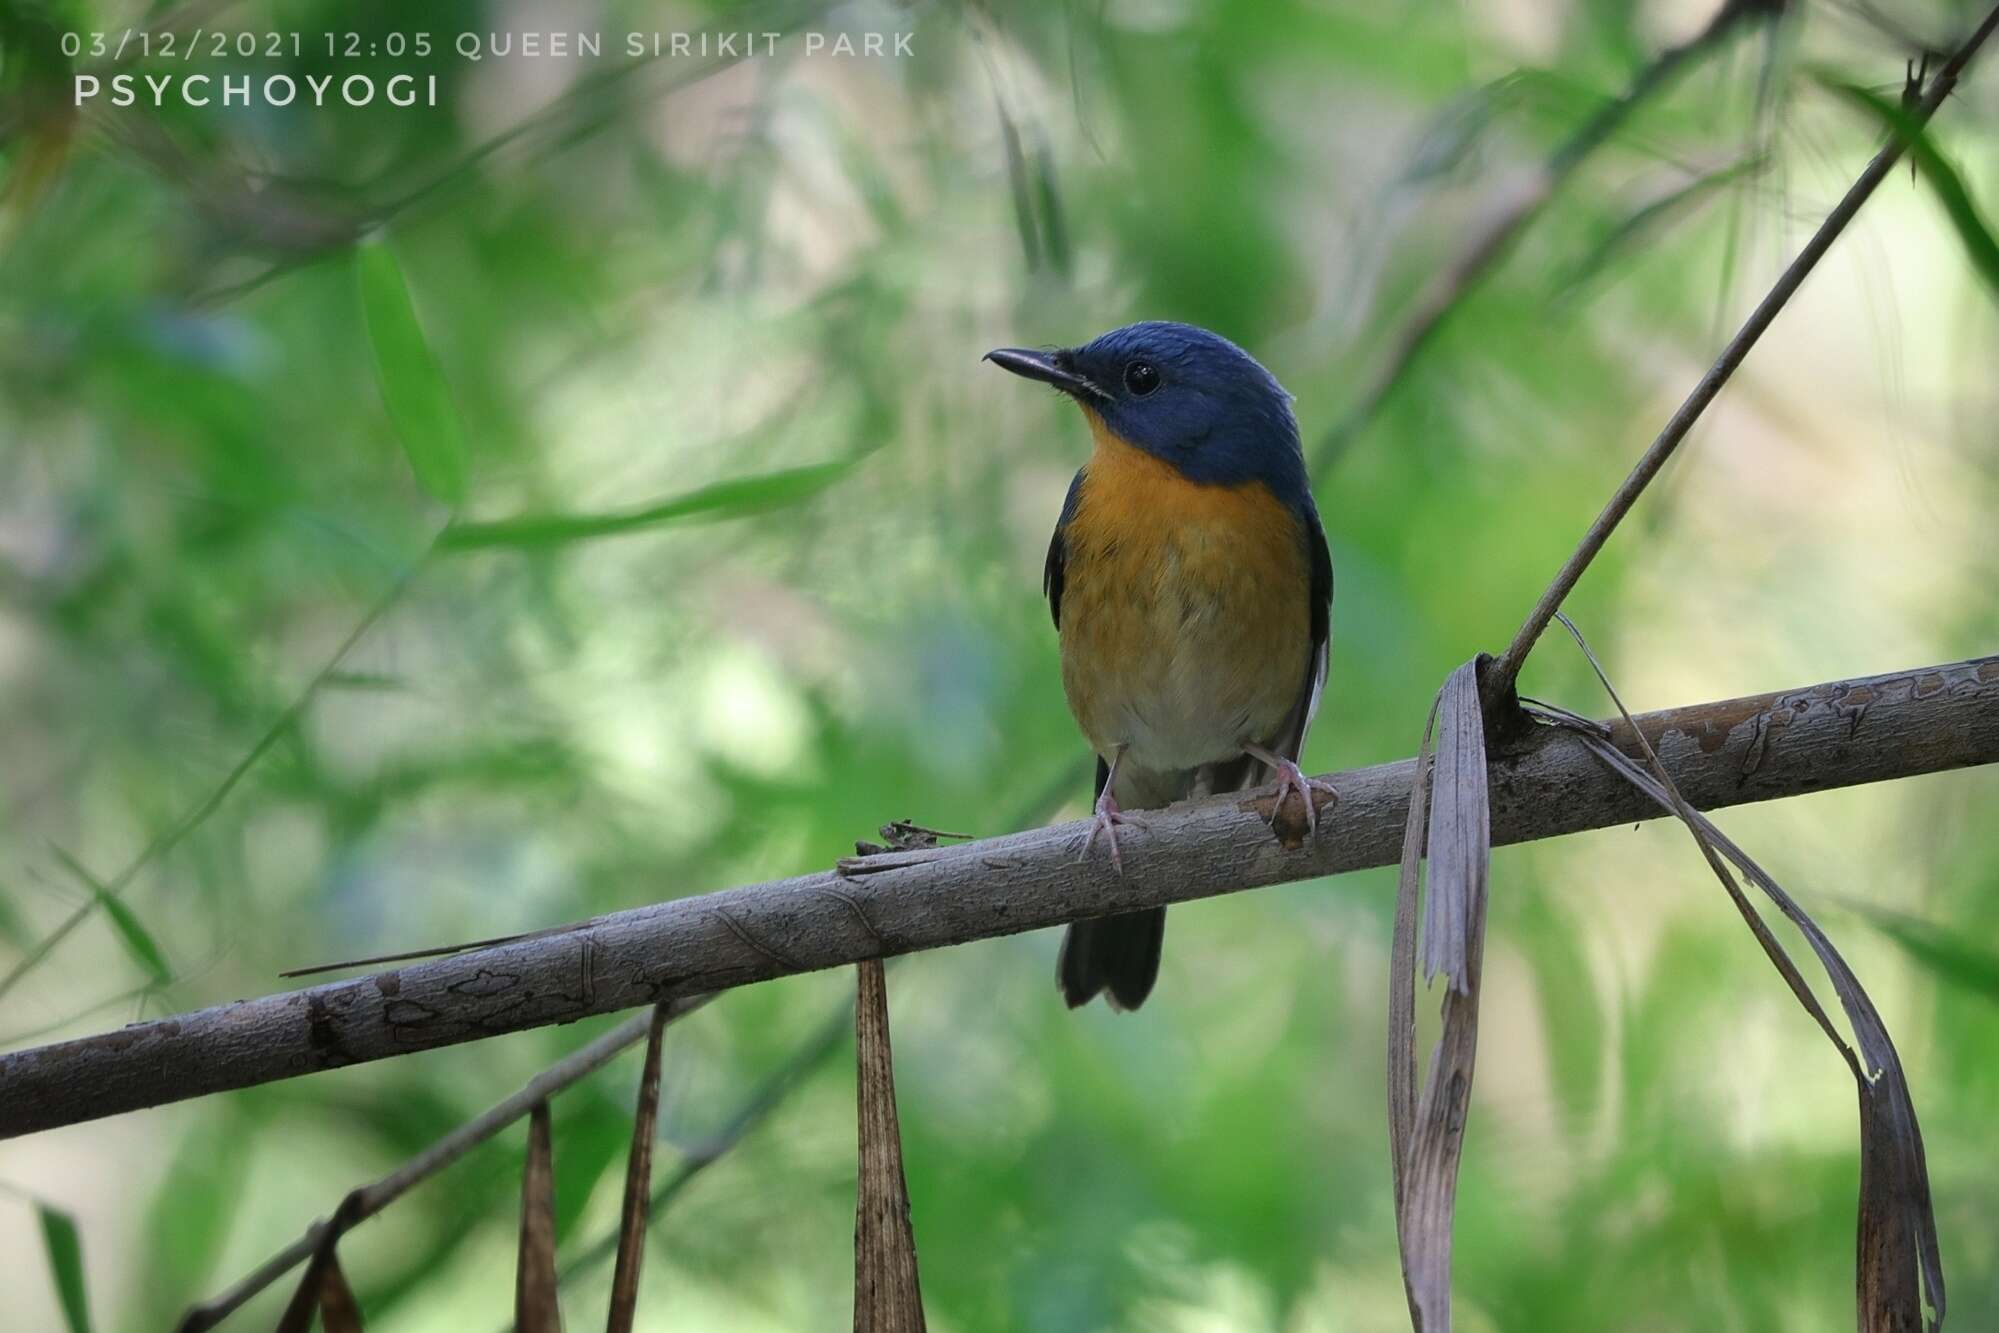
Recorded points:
(886,1294)
(1898,1259)
(338,1310)
(322,1289)
(1427,1132)
(1402,966)
(638,1186)
(304,1304)
(536,1309)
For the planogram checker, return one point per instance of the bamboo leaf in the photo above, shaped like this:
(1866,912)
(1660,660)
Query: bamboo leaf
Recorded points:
(1899,1260)
(138,941)
(1641,227)
(1460,841)
(1979,245)
(734,498)
(304,1304)
(536,1309)
(1939,950)
(638,1186)
(1019,184)
(1402,1087)
(1048,200)
(887,1298)
(1459,851)
(339,1312)
(411,381)
(64,1251)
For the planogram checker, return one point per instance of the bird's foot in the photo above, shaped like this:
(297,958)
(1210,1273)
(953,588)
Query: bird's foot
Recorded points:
(1106,820)
(1291,778)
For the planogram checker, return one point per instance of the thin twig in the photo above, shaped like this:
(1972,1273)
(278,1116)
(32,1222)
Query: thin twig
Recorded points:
(370,1199)
(1499,681)
(1726,753)
(1493,240)
(580,111)
(194,818)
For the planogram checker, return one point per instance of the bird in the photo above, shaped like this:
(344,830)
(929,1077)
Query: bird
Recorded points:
(1191,587)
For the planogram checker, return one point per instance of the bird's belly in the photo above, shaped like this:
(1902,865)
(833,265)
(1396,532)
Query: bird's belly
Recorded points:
(1186,642)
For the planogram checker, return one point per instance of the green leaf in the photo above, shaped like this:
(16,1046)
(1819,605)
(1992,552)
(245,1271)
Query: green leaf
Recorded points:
(725,499)
(1020,185)
(190,1215)
(1978,241)
(65,1254)
(412,383)
(139,941)
(1640,228)
(1571,1012)
(12,928)
(1941,951)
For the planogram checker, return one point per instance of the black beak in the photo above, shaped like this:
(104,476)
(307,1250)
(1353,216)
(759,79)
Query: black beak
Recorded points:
(1044,367)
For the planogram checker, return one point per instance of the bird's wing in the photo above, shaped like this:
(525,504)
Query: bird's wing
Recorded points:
(1058,553)
(1322,635)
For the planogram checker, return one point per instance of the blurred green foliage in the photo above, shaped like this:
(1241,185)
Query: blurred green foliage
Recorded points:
(634,413)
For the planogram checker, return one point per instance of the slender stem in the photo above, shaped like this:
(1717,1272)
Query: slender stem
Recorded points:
(372,1198)
(1494,236)
(1499,680)
(194,818)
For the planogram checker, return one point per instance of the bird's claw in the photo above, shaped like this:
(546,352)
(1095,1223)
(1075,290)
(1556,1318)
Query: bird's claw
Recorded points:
(1105,821)
(1291,778)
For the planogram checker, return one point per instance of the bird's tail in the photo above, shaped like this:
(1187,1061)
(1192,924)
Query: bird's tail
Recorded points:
(1117,956)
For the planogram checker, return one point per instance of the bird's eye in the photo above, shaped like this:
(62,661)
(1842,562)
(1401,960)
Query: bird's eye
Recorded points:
(1141,378)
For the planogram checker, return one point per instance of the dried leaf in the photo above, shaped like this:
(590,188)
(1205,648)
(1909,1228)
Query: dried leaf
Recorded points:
(339,1312)
(536,1309)
(1898,1257)
(304,1303)
(1402,965)
(886,1294)
(322,1289)
(1460,840)
(1430,1142)
(638,1186)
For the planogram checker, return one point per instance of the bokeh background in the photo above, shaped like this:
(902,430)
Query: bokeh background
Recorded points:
(713,328)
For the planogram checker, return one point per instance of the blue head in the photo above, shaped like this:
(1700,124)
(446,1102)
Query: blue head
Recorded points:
(1184,395)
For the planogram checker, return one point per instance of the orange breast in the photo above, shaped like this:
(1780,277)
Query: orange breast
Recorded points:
(1186,619)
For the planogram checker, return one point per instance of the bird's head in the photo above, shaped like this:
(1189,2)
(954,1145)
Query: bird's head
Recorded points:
(1182,394)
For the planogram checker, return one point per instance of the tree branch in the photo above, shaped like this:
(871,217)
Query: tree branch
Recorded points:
(1544,784)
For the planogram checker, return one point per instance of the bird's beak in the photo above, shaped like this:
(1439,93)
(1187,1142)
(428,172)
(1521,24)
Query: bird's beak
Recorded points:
(1041,366)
